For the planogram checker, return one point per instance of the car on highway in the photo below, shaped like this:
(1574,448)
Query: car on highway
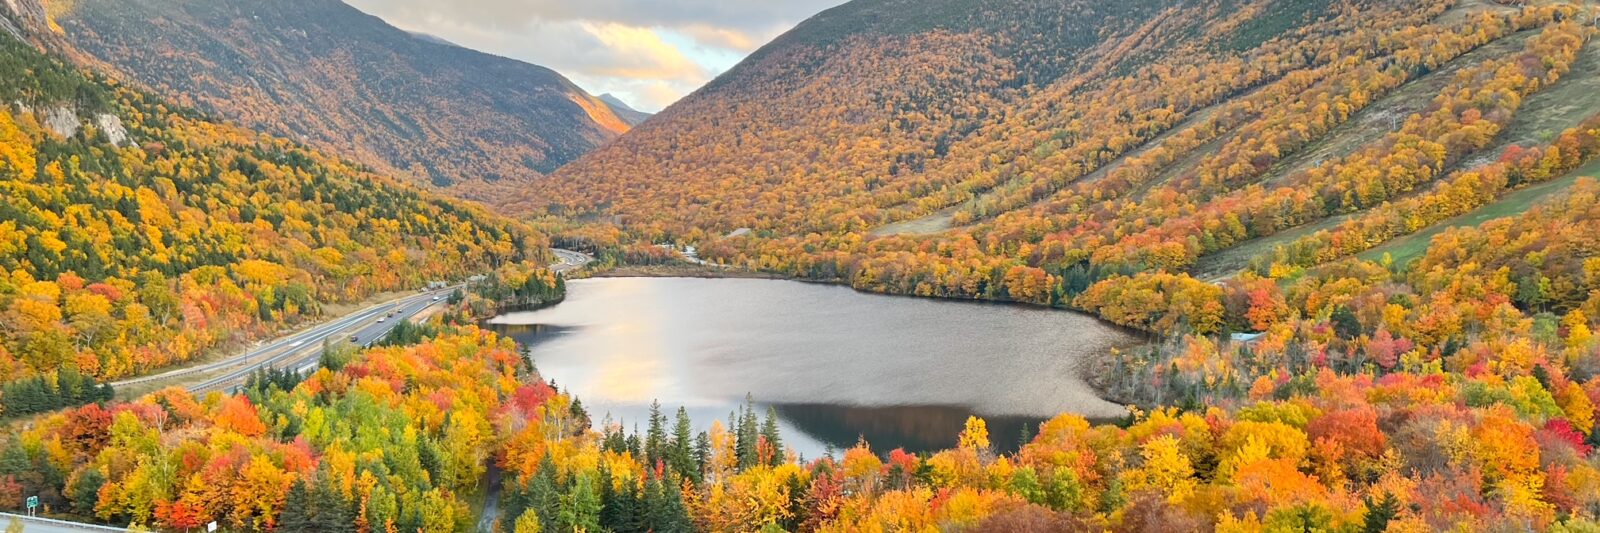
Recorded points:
(355,338)
(435,298)
(382,318)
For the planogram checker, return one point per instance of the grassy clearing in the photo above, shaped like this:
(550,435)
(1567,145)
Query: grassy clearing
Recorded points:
(1405,249)
(936,222)
(1469,8)
(1383,116)
(1543,116)
(1228,262)
(1563,105)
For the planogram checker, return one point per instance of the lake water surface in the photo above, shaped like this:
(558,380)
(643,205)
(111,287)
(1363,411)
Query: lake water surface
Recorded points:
(837,364)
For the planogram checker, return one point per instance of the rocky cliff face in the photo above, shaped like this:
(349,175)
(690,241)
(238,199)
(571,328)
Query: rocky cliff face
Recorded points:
(21,17)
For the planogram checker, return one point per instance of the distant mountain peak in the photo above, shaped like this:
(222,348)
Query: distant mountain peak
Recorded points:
(628,114)
(428,37)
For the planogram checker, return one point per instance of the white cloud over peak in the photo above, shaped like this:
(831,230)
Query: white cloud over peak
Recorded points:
(647,52)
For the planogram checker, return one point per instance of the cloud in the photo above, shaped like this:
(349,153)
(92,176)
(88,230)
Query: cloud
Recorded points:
(640,53)
(647,52)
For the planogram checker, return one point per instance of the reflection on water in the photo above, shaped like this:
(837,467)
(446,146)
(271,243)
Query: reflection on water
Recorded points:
(917,428)
(837,364)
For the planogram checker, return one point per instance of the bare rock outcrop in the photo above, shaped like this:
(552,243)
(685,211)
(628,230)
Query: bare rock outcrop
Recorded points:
(112,127)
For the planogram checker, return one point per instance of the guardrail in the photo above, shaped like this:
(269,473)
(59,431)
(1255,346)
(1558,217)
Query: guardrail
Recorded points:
(57,523)
(272,362)
(318,331)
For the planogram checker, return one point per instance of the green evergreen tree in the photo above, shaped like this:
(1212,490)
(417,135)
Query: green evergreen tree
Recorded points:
(1379,513)
(86,492)
(628,513)
(298,511)
(664,507)
(681,455)
(702,451)
(608,499)
(335,513)
(655,442)
(635,446)
(769,432)
(544,496)
(580,506)
(746,434)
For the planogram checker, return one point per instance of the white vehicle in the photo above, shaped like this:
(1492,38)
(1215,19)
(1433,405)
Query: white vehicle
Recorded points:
(435,298)
(382,318)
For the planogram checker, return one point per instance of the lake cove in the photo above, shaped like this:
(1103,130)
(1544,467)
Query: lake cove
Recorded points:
(836,364)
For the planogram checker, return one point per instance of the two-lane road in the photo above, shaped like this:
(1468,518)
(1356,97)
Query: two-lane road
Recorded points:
(300,351)
(303,352)
(570,260)
(45,525)
(366,325)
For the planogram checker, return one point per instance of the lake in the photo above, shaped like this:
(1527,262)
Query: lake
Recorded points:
(836,364)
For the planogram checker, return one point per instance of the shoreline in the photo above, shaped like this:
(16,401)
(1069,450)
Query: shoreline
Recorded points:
(1093,373)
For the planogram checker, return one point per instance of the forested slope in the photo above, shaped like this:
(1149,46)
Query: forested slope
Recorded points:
(1026,150)
(319,71)
(135,234)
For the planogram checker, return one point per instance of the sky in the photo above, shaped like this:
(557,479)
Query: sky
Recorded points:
(649,53)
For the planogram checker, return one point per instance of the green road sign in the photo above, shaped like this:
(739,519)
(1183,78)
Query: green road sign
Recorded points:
(33,502)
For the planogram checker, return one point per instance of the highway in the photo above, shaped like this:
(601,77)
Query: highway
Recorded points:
(46,525)
(303,351)
(310,336)
(570,260)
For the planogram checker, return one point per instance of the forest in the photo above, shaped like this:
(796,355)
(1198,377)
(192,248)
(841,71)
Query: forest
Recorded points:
(1438,397)
(145,236)
(1225,176)
(1214,191)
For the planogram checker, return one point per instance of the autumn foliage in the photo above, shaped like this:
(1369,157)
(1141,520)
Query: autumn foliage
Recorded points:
(119,258)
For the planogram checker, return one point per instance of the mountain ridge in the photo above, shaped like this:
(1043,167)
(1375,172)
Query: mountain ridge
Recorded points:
(633,116)
(323,72)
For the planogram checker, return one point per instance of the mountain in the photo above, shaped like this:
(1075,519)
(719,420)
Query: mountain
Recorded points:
(323,72)
(23,17)
(622,109)
(1024,149)
(920,80)
(137,234)
(431,38)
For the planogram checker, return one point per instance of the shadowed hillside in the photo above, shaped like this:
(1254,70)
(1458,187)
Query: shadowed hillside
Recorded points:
(323,72)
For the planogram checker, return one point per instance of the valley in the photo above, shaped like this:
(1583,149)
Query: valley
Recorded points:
(876,265)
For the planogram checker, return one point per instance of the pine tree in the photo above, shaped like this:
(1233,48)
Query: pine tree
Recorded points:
(335,513)
(628,512)
(1380,513)
(746,435)
(664,507)
(702,451)
(769,432)
(86,492)
(635,446)
(544,496)
(297,509)
(674,516)
(681,456)
(580,507)
(608,499)
(580,416)
(655,442)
